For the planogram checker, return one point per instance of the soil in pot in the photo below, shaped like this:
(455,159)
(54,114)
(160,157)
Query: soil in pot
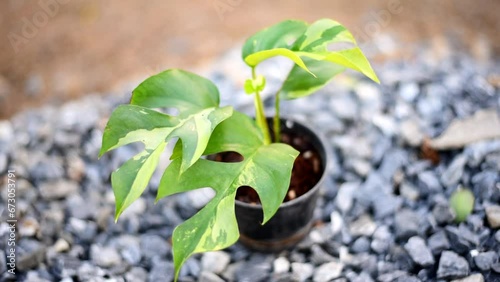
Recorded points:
(307,169)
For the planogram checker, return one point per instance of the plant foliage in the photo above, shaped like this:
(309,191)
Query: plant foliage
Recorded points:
(203,128)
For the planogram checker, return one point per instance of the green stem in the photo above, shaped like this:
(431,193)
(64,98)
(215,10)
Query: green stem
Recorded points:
(276,120)
(259,113)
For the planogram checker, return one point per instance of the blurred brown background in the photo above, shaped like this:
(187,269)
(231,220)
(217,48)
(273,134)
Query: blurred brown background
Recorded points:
(55,50)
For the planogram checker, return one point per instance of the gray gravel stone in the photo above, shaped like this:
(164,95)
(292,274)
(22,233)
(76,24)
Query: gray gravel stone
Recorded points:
(363,226)
(3,262)
(209,277)
(161,271)
(303,270)
(382,239)
(153,246)
(472,278)
(136,274)
(281,265)
(461,239)
(485,260)
(104,256)
(320,256)
(438,242)
(406,224)
(452,266)
(443,213)
(493,216)
(419,252)
(215,262)
(328,271)
(452,175)
(58,189)
(361,245)
(30,254)
(344,199)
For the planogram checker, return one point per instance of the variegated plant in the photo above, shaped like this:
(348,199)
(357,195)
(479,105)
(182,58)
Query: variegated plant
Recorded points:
(202,128)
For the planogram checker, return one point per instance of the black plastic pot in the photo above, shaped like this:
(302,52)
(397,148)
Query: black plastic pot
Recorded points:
(293,220)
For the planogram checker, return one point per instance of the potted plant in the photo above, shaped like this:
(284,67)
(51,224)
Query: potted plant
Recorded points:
(246,159)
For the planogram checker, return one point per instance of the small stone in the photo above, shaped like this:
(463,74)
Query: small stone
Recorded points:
(328,271)
(3,262)
(154,246)
(83,229)
(443,213)
(61,245)
(29,254)
(362,277)
(409,191)
(409,91)
(472,278)
(209,277)
(363,226)
(452,175)
(319,255)
(452,266)
(392,276)
(344,106)
(485,260)
(361,245)
(493,216)
(58,189)
(496,267)
(382,239)
(104,256)
(215,262)
(411,132)
(161,271)
(429,182)
(345,196)
(28,227)
(256,269)
(385,204)
(88,271)
(461,239)
(483,125)
(497,236)
(3,162)
(336,222)
(230,272)
(284,277)
(136,274)
(438,242)
(303,270)
(406,224)
(419,252)
(281,265)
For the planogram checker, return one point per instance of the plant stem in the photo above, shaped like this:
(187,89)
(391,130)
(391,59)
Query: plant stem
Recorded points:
(259,113)
(276,120)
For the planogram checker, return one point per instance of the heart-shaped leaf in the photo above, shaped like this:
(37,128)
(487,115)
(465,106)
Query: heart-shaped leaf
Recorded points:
(300,83)
(132,123)
(266,168)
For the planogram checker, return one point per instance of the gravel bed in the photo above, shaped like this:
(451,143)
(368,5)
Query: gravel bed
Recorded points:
(385,215)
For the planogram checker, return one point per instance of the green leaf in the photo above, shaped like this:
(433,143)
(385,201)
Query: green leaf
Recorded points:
(462,202)
(353,59)
(266,168)
(253,85)
(300,83)
(321,33)
(280,35)
(310,41)
(176,88)
(130,123)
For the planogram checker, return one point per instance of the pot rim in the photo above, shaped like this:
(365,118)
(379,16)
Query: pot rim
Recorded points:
(326,166)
